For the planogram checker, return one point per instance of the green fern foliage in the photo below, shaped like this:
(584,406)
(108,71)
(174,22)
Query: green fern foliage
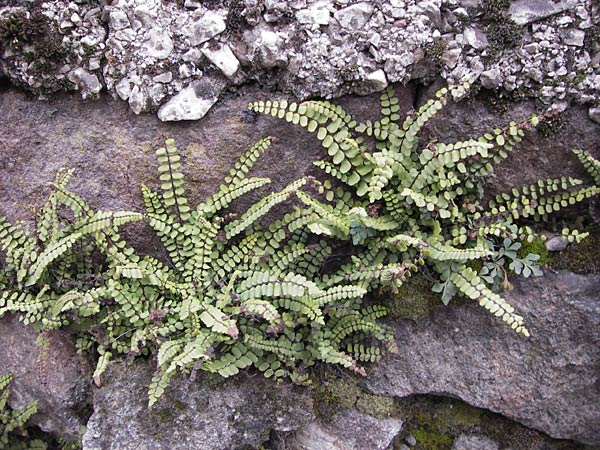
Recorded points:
(233,290)
(406,207)
(13,435)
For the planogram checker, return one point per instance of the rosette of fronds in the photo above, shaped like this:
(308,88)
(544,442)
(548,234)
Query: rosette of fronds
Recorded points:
(231,293)
(407,206)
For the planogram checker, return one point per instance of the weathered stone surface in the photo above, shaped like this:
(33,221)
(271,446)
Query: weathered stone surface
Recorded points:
(347,430)
(527,11)
(309,48)
(49,371)
(548,382)
(466,442)
(238,413)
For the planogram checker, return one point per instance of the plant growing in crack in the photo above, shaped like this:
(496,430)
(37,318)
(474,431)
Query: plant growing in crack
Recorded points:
(405,206)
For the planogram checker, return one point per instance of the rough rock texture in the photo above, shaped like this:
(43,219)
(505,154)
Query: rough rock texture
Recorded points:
(148,51)
(347,430)
(47,368)
(237,413)
(548,382)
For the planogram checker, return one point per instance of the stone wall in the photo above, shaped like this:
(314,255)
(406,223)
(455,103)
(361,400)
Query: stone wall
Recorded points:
(178,57)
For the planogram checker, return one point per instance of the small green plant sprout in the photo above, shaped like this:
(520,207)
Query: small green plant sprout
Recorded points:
(13,435)
(407,206)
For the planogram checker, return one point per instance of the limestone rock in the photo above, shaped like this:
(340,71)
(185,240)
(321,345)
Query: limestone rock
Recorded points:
(192,103)
(87,82)
(223,58)
(347,430)
(528,11)
(466,442)
(354,17)
(547,382)
(206,27)
(237,413)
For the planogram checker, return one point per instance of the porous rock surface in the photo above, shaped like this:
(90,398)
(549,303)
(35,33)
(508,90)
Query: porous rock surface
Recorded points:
(347,430)
(548,382)
(46,368)
(236,413)
(178,57)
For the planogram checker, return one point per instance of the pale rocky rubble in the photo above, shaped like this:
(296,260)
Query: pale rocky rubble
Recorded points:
(148,51)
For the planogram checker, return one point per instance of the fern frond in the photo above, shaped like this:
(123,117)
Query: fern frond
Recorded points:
(173,180)
(468,282)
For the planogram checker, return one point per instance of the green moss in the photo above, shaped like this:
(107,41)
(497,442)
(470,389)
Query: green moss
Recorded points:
(376,405)
(413,300)
(582,257)
(537,247)
(431,440)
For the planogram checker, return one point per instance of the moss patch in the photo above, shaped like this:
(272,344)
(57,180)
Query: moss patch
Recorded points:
(582,257)
(413,300)
(430,440)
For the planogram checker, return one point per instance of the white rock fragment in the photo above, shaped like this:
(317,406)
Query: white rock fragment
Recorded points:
(118,20)
(158,44)
(269,48)
(165,77)
(354,17)
(377,80)
(223,58)
(186,106)
(491,79)
(123,88)
(87,82)
(528,11)
(317,14)
(594,114)
(475,38)
(137,100)
(206,27)
(573,37)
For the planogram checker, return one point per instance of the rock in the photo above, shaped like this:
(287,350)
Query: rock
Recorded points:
(269,49)
(376,82)
(118,20)
(137,100)
(165,77)
(236,413)
(223,58)
(410,440)
(491,79)
(556,244)
(123,89)
(547,382)
(317,14)
(158,44)
(86,81)
(354,17)
(49,371)
(466,442)
(528,11)
(475,38)
(191,103)
(206,27)
(347,430)
(594,114)
(573,37)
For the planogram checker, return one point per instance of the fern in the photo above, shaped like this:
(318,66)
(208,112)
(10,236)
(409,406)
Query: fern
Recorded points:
(406,206)
(13,435)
